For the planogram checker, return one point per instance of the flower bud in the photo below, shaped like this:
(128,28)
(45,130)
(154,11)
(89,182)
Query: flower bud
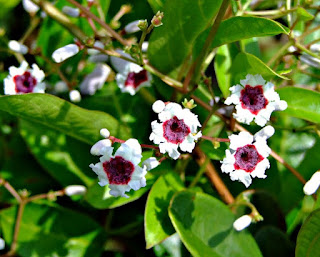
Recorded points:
(65,52)
(157,19)
(143,25)
(75,96)
(2,244)
(313,184)
(145,46)
(189,104)
(150,163)
(97,147)
(310,60)
(242,222)
(72,12)
(315,48)
(17,47)
(105,133)
(75,190)
(158,106)
(264,133)
(29,6)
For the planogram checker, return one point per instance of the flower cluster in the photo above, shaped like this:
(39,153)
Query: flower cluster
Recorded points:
(177,128)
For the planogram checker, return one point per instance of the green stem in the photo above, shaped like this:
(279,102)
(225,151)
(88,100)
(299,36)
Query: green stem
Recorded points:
(34,23)
(280,53)
(302,48)
(206,47)
(55,14)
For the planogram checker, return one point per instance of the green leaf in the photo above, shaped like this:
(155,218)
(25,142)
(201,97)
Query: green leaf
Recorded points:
(304,15)
(58,114)
(157,223)
(66,159)
(49,231)
(99,197)
(205,227)
(239,28)
(246,63)
(183,21)
(308,241)
(302,103)
(7,5)
(156,5)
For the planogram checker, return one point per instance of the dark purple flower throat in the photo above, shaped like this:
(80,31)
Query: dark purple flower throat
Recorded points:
(136,79)
(252,98)
(247,158)
(175,130)
(25,82)
(118,170)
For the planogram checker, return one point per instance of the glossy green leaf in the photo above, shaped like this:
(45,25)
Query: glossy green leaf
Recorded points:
(205,227)
(99,197)
(304,15)
(302,103)
(246,63)
(66,159)
(308,241)
(184,20)
(56,113)
(7,5)
(238,28)
(157,5)
(157,223)
(50,231)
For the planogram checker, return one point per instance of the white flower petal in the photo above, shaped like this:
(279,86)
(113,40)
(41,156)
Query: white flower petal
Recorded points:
(131,151)
(18,47)
(150,163)
(241,176)
(72,12)
(65,52)
(97,147)
(236,141)
(132,27)
(102,176)
(264,133)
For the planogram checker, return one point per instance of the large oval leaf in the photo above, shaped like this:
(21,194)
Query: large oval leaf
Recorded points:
(58,114)
(205,227)
(184,20)
(238,28)
(302,103)
(308,241)
(246,63)
(50,231)
(157,223)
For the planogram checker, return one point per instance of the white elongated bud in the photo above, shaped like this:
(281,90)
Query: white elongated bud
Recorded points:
(312,184)
(145,46)
(72,12)
(105,133)
(75,96)
(150,163)
(17,47)
(315,48)
(310,60)
(97,147)
(158,106)
(2,244)
(132,27)
(75,190)
(65,52)
(29,6)
(264,133)
(242,222)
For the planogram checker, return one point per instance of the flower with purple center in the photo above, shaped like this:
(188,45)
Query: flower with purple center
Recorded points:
(23,80)
(177,128)
(247,157)
(255,99)
(132,78)
(121,170)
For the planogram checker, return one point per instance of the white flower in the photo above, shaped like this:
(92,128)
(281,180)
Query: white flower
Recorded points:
(23,80)
(242,222)
(310,60)
(132,27)
(312,184)
(73,12)
(2,244)
(75,96)
(178,128)
(132,78)
(95,80)
(97,148)
(65,52)
(150,163)
(121,171)
(18,47)
(247,157)
(255,99)
(75,190)
(29,6)
(105,133)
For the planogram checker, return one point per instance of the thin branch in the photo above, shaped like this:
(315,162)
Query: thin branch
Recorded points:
(11,190)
